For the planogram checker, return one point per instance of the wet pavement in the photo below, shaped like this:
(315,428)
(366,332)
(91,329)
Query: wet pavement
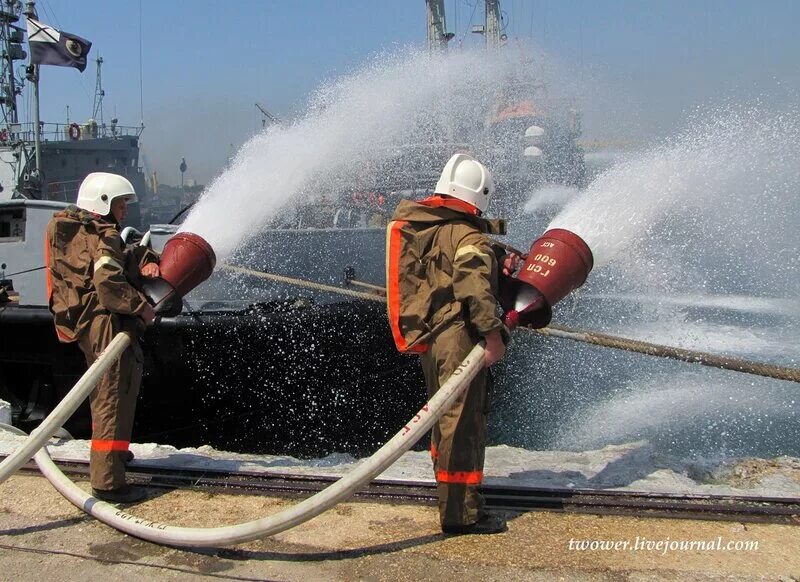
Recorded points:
(44,536)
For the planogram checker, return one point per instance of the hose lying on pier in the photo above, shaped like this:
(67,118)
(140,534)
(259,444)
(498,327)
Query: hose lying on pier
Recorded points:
(585,336)
(342,489)
(68,405)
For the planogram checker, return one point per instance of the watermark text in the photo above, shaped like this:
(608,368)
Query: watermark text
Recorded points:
(663,546)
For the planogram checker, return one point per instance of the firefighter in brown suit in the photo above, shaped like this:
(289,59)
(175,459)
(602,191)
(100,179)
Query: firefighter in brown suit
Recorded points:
(442,277)
(92,286)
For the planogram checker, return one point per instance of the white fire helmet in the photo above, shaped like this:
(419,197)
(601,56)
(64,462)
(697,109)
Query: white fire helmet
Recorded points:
(98,189)
(467,179)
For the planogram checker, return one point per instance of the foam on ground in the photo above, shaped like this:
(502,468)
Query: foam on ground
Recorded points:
(634,466)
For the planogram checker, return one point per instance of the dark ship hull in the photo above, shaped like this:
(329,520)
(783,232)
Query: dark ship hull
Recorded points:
(300,380)
(249,365)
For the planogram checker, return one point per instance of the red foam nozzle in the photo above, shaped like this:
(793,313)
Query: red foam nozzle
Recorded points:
(187,261)
(559,262)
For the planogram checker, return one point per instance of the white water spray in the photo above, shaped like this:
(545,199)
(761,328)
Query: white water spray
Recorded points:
(549,196)
(356,131)
(736,166)
(696,244)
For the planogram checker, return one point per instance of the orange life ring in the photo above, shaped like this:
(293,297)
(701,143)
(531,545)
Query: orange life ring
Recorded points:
(74,131)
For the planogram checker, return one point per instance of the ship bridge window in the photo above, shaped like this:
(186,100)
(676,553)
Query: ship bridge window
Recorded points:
(12,225)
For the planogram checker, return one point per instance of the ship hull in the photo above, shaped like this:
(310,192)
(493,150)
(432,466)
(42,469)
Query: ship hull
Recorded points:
(305,381)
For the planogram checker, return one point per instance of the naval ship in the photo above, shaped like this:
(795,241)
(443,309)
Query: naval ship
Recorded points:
(248,365)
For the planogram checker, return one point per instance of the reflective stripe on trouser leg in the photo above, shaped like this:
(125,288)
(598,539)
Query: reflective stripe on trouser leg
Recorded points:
(113,404)
(459,438)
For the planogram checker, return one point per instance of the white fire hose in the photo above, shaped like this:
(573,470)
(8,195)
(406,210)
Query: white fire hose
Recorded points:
(160,533)
(68,405)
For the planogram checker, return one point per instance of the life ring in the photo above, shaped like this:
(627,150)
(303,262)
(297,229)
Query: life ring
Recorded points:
(74,131)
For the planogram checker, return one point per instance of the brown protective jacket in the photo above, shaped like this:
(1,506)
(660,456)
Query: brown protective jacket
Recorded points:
(90,271)
(440,265)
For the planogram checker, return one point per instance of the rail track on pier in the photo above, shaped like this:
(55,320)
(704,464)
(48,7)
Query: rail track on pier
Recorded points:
(514,499)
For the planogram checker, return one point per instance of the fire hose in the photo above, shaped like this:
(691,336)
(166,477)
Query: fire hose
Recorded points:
(161,533)
(585,336)
(187,261)
(68,405)
(347,485)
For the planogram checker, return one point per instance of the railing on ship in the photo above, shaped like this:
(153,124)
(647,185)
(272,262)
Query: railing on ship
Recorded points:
(67,131)
(64,191)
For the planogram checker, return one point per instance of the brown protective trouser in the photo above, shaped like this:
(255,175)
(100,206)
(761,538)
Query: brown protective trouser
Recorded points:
(459,438)
(113,401)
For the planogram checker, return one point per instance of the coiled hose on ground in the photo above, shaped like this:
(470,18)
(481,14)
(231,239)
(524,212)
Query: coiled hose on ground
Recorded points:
(160,533)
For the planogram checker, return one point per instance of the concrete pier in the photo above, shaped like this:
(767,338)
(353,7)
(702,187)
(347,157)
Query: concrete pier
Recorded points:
(42,536)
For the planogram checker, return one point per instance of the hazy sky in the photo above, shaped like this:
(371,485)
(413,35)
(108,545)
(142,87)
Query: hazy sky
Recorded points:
(637,66)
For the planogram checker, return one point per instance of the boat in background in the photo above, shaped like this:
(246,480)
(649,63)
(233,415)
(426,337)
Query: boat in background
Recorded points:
(68,150)
(252,365)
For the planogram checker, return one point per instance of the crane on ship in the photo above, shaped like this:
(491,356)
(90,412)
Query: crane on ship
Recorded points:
(266,116)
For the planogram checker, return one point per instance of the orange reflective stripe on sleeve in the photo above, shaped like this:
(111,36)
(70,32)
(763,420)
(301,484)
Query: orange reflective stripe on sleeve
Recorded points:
(463,477)
(106,445)
(434,452)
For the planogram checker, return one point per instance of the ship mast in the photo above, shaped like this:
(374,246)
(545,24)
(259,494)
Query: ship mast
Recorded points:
(98,95)
(437,27)
(493,24)
(11,45)
(33,76)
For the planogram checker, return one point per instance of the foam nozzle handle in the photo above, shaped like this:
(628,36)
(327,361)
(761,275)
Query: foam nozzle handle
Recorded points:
(163,297)
(511,319)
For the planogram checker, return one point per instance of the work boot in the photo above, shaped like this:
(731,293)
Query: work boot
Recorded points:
(488,523)
(124,494)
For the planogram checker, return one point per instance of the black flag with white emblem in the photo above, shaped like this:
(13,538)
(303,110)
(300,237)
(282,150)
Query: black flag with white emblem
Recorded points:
(52,47)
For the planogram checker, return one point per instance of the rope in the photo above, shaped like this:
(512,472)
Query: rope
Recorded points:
(585,336)
(304,283)
(684,355)
(23,272)
(377,288)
